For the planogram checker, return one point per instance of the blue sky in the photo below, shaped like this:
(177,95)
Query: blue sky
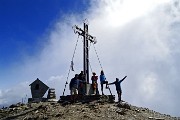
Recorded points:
(136,38)
(23,22)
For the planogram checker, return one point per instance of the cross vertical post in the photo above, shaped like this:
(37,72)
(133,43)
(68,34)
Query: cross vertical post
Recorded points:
(86,38)
(86,53)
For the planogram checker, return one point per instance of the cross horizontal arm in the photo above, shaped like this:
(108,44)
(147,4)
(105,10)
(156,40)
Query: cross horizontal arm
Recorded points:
(78,28)
(82,33)
(92,39)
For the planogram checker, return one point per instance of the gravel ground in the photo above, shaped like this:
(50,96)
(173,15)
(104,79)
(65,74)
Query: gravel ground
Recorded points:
(79,111)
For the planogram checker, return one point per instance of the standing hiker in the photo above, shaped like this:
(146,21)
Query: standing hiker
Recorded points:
(118,87)
(81,76)
(94,79)
(74,83)
(103,81)
(82,82)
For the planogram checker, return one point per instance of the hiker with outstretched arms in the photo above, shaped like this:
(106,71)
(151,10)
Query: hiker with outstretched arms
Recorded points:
(118,87)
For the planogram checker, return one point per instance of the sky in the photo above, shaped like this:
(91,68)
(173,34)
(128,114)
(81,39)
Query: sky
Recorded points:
(139,39)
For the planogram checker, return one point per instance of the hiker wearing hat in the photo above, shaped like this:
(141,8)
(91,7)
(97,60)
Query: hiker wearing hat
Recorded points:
(94,79)
(118,87)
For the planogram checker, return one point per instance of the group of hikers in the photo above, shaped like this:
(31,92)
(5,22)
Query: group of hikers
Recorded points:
(78,84)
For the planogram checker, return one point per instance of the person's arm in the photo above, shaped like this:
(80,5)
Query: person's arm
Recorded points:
(104,77)
(111,83)
(96,78)
(82,81)
(123,79)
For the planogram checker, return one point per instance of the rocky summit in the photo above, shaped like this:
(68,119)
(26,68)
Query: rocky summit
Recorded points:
(80,111)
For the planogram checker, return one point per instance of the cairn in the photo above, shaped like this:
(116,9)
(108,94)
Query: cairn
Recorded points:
(51,95)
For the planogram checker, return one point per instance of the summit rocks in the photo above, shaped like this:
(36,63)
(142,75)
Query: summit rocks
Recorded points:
(77,111)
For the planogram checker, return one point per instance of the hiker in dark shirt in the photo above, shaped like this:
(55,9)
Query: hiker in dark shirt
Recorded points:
(81,76)
(118,87)
(82,82)
(74,86)
(74,83)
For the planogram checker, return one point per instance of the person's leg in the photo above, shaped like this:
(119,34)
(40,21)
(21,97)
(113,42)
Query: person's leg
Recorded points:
(84,89)
(106,82)
(119,95)
(75,94)
(102,88)
(93,88)
(95,91)
(72,94)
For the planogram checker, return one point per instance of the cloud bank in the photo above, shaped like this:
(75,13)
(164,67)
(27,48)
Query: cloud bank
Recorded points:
(135,38)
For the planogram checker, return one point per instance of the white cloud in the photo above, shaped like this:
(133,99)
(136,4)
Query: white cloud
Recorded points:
(15,94)
(135,38)
(149,86)
(120,12)
(144,46)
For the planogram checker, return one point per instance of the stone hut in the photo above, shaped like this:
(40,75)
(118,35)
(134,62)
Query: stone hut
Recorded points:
(38,89)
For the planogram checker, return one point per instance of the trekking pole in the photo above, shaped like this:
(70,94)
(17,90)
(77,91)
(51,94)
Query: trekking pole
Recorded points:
(109,90)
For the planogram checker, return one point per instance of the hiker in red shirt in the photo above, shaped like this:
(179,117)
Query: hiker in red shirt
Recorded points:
(94,79)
